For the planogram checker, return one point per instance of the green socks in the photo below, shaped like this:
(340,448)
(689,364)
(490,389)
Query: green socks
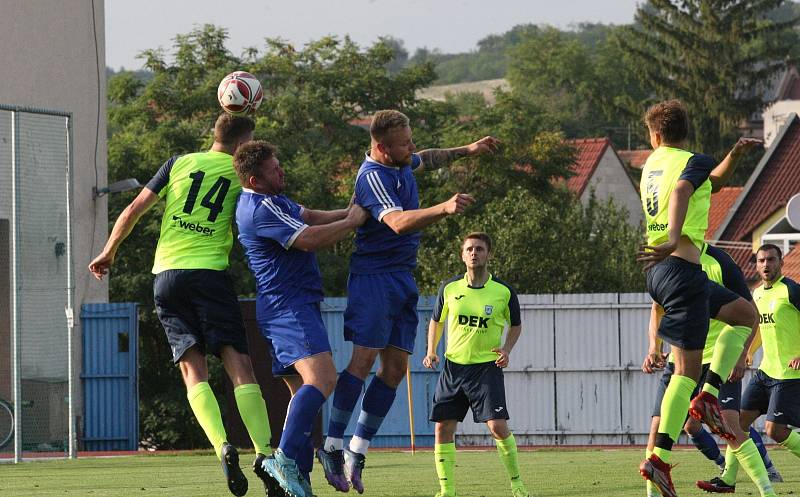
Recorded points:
(674,407)
(253,411)
(206,410)
(727,351)
(507,449)
(792,443)
(731,467)
(651,489)
(445,456)
(750,460)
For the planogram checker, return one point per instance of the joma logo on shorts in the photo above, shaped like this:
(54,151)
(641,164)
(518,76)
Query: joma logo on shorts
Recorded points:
(766,318)
(197,227)
(475,321)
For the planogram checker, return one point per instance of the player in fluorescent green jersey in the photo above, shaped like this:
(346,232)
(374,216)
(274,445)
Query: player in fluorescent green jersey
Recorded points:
(720,269)
(676,191)
(477,307)
(193,294)
(775,388)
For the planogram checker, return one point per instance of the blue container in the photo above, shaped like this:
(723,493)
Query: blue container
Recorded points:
(109,375)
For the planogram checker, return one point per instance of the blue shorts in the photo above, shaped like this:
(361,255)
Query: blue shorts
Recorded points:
(382,310)
(294,333)
(778,399)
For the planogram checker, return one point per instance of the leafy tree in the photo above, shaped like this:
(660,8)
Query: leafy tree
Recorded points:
(580,79)
(715,55)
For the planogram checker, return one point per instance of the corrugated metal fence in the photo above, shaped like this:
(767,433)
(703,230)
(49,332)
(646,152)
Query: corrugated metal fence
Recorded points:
(574,377)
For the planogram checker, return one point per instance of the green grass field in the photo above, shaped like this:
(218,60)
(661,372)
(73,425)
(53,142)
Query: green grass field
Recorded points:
(552,473)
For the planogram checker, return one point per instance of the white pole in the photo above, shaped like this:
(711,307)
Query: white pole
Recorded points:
(15,301)
(69,308)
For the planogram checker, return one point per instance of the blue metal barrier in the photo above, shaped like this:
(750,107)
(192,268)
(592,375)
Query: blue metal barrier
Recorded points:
(110,379)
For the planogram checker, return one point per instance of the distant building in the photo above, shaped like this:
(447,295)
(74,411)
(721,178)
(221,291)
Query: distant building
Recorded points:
(599,170)
(758,215)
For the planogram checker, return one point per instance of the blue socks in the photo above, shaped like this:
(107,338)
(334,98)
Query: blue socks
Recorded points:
(302,411)
(378,399)
(345,396)
(706,444)
(760,446)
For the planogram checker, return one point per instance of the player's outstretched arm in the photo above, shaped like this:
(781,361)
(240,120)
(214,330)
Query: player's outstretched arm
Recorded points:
(122,228)
(435,330)
(315,217)
(721,174)
(326,235)
(437,158)
(402,222)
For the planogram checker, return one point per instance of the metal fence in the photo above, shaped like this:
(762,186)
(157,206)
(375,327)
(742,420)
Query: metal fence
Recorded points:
(36,296)
(574,377)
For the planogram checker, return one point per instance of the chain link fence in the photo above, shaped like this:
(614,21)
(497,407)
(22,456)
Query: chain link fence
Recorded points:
(36,296)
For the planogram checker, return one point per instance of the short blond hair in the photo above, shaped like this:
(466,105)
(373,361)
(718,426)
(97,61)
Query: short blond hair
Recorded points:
(385,121)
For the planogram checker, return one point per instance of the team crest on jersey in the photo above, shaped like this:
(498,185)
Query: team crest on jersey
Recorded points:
(487,309)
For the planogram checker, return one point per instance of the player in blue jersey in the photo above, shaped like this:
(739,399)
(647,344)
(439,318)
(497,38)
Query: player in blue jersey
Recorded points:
(381,315)
(279,238)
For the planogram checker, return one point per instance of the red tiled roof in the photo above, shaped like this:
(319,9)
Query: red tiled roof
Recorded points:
(590,151)
(774,185)
(743,257)
(791,264)
(721,203)
(635,158)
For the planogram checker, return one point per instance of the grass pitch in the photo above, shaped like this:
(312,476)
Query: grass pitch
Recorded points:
(547,472)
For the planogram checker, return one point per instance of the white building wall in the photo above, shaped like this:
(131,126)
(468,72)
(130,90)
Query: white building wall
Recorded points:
(611,181)
(53,57)
(775,116)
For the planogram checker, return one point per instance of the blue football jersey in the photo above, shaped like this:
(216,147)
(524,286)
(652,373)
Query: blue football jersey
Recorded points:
(268,226)
(383,189)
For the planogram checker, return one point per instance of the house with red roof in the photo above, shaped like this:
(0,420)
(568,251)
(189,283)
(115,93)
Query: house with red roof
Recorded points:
(599,169)
(758,214)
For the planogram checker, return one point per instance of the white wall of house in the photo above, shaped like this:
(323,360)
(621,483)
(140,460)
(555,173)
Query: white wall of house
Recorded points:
(611,181)
(53,57)
(775,116)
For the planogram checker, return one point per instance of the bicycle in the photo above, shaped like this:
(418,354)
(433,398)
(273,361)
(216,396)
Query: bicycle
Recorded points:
(6,423)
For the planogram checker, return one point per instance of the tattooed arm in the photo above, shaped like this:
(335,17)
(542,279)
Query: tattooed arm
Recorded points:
(436,158)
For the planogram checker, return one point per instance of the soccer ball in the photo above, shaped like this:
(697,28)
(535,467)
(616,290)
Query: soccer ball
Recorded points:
(239,93)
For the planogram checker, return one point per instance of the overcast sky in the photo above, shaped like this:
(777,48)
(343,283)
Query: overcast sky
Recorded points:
(449,25)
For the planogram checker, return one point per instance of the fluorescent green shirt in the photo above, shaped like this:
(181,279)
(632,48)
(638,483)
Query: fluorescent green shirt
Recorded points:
(660,175)
(200,190)
(476,317)
(779,322)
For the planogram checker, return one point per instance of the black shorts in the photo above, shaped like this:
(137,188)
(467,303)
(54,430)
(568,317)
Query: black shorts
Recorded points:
(682,289)
(718,296)
(461,386)
(730,394)
(198,307)
(778,399)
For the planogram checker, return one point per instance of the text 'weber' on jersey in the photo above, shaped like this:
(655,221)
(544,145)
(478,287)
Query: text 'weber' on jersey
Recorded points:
(383,189)
(476,317)
(661,173)
(200,191)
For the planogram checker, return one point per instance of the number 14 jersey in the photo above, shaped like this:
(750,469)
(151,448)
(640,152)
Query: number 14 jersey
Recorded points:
(200,190)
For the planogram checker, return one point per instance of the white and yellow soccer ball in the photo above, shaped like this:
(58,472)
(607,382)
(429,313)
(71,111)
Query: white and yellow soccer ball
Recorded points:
(239,93)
